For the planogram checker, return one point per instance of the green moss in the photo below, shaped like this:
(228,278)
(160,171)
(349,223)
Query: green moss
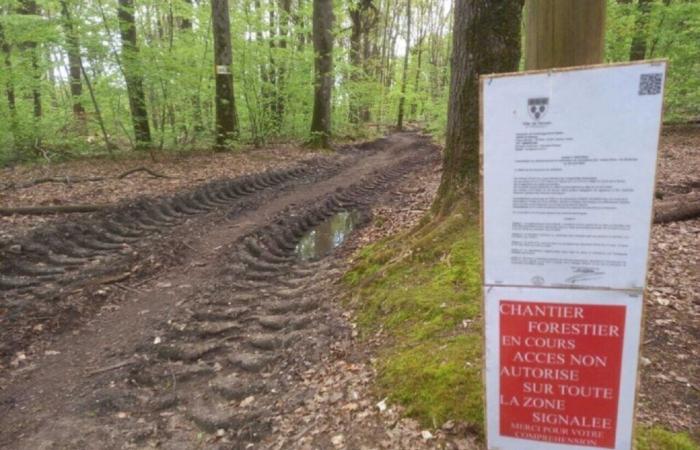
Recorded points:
(423,291)
(657,438)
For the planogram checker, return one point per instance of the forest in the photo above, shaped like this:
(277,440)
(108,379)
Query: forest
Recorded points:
(350,224)
(103,77)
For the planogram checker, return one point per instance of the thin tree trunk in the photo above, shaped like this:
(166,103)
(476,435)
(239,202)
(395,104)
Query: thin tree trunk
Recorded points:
(132,73)
(404,79)
(285,14)
(323,72)
(638,49)
(9,87)
(74,63)
(355,13)
(29,7)
(95,105)
(414,105)
(486,38)
(186,26)
(226,117)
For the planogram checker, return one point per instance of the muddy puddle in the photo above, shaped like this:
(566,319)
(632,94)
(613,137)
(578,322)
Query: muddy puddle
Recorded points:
(327,235)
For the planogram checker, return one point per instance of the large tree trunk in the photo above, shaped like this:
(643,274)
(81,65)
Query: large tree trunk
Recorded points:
(74,63)
(226,117)
(564,33)
(132,74)
(638,49)
(323,72)
(486,38)
(402,99)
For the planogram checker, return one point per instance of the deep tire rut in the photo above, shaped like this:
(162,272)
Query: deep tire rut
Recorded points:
(230,356)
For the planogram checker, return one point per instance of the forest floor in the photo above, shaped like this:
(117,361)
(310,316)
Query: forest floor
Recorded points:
(190,315)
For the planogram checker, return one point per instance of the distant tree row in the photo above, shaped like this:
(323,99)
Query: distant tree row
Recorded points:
(88,76)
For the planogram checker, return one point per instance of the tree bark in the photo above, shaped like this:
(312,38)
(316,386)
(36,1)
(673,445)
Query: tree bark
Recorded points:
(285,14)
(355,13)
(564,33)
(9,85)
(402,99)
(486,36)
(132,74)
(323,72)
(29,7)
(226,117)
(74,64)
(638,49)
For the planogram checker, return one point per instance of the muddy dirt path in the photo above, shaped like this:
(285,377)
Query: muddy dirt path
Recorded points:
(185,317)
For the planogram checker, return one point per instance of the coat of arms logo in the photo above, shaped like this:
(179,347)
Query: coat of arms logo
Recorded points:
(537,107)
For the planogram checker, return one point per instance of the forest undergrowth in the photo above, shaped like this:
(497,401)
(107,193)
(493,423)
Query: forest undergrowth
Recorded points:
(418,292)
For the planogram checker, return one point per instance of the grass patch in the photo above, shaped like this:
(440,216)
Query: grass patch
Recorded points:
(657,438)
(422,291)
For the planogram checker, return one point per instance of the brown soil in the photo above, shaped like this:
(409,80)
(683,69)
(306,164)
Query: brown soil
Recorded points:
(201,328)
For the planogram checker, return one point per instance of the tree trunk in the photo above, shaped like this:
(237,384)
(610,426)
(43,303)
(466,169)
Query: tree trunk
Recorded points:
(564,33)
(486,37)
(9,85)
(186,21)
(355,13)
(414,105)
(638,49)
(226,117)
(323,72)
(74,63)
(285,14)
(402,100)
(186,26)
(132,74)
(29,7)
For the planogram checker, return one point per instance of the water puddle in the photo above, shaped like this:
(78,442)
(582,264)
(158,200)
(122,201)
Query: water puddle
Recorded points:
(327,235)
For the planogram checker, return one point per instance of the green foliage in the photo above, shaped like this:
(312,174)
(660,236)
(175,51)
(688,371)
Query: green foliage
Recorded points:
(672,31)
(273,74)
(658,438)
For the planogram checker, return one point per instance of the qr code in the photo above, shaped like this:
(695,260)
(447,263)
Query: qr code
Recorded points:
(650,83)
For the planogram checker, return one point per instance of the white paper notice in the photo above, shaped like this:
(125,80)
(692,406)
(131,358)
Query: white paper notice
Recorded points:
(569,164)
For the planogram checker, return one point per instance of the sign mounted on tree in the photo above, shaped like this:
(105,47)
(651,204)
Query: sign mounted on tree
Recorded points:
(568,166)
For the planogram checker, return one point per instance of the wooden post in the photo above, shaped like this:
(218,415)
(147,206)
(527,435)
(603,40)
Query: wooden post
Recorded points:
(564,33)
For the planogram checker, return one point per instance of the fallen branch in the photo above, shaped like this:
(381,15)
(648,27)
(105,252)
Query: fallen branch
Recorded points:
(75,180)
(142,169)
(676,210)
(65,180)
(44,210)
(119,365)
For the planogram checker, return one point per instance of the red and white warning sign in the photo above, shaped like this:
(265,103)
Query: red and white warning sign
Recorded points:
(568,164)
(562,361)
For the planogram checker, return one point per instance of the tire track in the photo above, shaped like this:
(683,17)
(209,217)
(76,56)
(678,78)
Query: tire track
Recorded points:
(226,364)
(228,351)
